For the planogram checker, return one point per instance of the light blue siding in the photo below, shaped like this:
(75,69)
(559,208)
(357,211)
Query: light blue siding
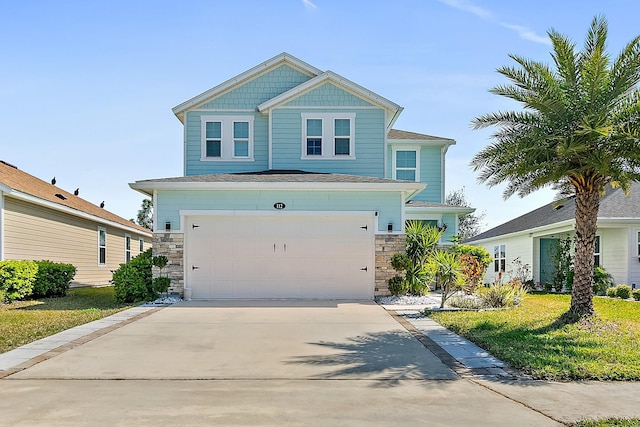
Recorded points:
(388,204)
(194,166)
(369,143)
(450,220)
(328,95)
(259,90)
(430,174)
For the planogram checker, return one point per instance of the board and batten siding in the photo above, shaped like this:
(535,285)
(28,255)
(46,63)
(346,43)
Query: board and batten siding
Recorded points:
(387,204)
(33,232)
(517,246)
(287,143)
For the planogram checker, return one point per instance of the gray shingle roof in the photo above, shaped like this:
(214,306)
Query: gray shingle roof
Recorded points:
(614,204)
(403,134)
(274,176)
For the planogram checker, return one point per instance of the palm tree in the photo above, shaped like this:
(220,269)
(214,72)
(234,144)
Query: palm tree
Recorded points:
(579,132)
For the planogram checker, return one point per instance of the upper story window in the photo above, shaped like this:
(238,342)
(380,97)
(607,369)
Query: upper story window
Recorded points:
(227,138)
(328,135)
(499,258)
(405,164)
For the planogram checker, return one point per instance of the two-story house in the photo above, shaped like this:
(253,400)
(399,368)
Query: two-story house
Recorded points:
(295,186)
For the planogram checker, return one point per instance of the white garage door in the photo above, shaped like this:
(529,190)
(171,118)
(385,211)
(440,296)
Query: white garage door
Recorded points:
(280,256)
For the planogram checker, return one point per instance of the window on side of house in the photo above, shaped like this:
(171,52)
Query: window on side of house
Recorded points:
(127,248)
(328,135)
(596,253)
(227,138)
(499,258)
(638,243)
(405,165)
(102,246)
(140,245)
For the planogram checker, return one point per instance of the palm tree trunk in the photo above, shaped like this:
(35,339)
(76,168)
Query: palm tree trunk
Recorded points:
(587,206)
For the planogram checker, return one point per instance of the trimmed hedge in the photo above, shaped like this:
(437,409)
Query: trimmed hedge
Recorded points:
(52,279)
(16,279)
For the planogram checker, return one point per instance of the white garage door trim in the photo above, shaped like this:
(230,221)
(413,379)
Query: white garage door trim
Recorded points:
(294,270)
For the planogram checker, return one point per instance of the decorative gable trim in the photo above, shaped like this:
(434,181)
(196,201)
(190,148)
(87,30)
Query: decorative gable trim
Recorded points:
(258,70)
(341,82)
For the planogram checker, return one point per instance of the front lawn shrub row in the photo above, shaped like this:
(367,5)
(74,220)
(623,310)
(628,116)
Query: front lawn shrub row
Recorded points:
(22,279)
(620,291)
(636,294)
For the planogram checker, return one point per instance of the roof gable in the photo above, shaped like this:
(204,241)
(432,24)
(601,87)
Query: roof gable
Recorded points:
(14,180)
(328,95)
(406,137)
(614,204)
(243,78)
(340,82)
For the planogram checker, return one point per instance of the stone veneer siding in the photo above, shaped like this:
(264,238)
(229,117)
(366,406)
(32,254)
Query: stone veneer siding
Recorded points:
(387,245)
(171,245)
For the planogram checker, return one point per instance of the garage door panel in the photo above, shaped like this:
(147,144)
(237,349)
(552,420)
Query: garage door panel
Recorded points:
(278,256)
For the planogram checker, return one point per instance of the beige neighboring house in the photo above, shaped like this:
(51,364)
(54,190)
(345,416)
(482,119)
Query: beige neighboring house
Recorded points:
(41,221)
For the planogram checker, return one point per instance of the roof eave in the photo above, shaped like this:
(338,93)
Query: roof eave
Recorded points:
(308,69)
(340,81)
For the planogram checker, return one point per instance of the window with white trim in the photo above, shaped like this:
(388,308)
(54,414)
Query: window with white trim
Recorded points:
(127,248)
(596,253)
(102,246)
(140,245)
(499,258)
(406,165)
(638,243)
(328,135)
(227,138)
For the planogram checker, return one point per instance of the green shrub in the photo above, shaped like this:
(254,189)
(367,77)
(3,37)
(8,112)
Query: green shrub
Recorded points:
(52,279)
(601,281)
(636,294)
(612,291)
(161,284)
(623,291)
(133,281)
(398,286)
(499,295)
(16,279)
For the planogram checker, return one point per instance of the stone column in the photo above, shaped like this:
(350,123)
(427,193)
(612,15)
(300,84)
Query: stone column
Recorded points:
(171,245)
(387,245)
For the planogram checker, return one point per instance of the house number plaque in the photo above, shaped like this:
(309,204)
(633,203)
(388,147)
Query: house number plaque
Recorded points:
(279,205)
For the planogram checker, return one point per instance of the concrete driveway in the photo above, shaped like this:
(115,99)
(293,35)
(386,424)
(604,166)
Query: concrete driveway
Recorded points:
(273,363)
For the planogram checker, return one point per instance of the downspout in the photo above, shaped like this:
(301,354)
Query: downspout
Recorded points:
(270,153)
(154,199)
(1,226)
(443,151)
(184,148)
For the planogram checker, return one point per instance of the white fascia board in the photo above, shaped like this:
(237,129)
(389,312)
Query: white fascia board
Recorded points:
(428,142)
(534,232)
(338,81)
(438,210)
(283,58)
(55,206)
(410,187)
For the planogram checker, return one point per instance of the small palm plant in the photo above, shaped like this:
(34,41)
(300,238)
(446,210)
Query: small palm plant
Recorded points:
(448,272)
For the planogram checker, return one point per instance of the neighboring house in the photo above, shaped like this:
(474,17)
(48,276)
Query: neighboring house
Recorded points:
(534,236)
(41,221)
(295,186)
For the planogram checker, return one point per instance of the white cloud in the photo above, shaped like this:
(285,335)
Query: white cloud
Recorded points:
(522,31)
(309,4)
(527,33)
(468,7)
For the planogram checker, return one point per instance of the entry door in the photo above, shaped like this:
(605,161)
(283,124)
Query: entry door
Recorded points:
(254,257)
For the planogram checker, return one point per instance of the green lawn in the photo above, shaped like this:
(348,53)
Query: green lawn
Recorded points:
(532,339)
(23,322)
(611,422)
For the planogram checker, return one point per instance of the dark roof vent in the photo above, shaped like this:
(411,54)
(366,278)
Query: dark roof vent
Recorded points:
(60,196)
(8,164)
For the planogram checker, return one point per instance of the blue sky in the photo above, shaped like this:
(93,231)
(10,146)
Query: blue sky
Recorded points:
(88,86)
